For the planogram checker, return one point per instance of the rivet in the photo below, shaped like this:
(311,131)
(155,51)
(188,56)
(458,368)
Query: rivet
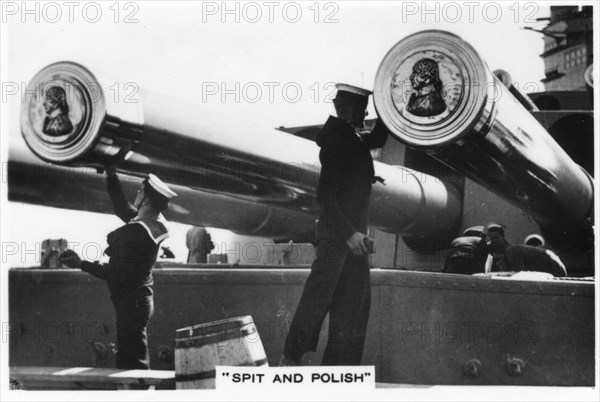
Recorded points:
(514,366)
(472,368)
(165,353)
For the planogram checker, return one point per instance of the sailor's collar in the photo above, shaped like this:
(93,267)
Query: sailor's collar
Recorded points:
(155,228)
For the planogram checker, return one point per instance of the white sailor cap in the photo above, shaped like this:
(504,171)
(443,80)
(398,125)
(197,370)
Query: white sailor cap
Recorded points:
(534,240)
(496,227)
(160,187)
(474,231)
(351,93)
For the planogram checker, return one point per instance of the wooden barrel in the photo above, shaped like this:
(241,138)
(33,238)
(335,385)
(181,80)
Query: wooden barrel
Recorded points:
(200,348)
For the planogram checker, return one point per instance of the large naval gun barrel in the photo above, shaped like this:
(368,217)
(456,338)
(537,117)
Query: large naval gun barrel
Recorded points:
(435,93)
(72,118)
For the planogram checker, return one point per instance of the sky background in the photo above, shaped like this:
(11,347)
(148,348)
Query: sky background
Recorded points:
(185,49)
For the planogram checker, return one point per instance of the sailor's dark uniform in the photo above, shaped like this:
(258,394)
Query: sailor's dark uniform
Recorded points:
(133,250)
(520,257)
(468,256)
(339,282)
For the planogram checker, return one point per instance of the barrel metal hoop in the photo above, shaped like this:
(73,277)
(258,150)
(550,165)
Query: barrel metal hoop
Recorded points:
(214,337)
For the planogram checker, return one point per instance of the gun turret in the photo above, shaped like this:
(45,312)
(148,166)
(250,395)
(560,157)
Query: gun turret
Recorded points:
(435,93)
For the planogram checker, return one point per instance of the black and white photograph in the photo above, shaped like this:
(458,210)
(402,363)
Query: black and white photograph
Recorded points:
(299,200)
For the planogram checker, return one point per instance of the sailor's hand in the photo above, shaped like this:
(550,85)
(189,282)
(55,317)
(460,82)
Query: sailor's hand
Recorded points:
(110,169)
(356,244)
(70,259)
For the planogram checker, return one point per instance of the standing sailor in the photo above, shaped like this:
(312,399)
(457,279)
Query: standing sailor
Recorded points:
(339,281)
(133,250)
